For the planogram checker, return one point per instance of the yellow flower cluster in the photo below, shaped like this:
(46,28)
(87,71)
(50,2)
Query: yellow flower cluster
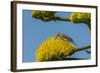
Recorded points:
(77,17)
(43,15)
(54,49)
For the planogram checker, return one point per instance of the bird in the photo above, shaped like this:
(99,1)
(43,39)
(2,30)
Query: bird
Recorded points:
(88,51)
(64,36)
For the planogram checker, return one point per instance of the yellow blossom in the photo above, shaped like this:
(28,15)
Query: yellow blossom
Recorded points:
(54,49)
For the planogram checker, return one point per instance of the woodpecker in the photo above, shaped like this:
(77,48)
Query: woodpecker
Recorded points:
(64,36)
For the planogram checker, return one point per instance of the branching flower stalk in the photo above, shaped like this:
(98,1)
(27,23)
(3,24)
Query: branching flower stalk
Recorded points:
(75,17)
(82,48)
(46,16)
(56,49)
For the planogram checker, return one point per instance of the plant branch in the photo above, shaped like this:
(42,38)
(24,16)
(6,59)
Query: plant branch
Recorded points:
(65,58)
(89,26)
(62,19)
(82,48)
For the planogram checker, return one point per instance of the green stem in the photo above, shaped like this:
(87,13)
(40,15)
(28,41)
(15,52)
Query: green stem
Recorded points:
(62,19)
(89,26)
(83,48)
(73,58)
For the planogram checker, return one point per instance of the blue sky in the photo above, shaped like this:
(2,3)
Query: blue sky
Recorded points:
(36,31)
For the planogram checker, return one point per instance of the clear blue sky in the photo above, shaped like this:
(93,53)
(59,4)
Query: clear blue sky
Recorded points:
(36,31)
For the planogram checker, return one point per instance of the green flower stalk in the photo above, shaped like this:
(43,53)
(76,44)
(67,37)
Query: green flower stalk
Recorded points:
(57,49)
(77,17)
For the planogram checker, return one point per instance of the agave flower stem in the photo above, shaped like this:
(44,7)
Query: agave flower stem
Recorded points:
(65,58)
(83,48)
(62,19)
(89,26)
